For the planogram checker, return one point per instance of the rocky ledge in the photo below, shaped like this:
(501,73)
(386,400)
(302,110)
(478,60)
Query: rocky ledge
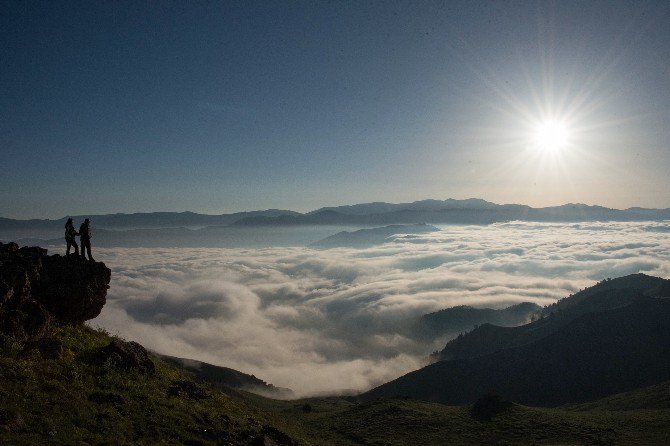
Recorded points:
(38,290)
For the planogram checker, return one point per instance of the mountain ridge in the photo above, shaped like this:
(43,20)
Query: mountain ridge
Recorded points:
(605,295)
(464,317)
(227,378)
(429,211)
(372,236)
(597,354)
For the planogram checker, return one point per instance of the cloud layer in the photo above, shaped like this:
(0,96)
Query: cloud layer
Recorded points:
(322,321)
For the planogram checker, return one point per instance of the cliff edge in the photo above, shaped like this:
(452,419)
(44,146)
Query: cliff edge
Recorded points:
(38,290)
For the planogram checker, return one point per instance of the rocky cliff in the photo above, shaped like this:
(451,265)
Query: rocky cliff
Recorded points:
(38,290)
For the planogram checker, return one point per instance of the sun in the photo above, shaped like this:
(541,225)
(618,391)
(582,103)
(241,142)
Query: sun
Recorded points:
(551,136)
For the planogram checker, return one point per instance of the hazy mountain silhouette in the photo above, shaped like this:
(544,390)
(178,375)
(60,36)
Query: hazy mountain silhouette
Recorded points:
(208,237)
(139,220)
(469,211)
(463,318)
(370,237)
(606,295)
(595,355)
(423,205)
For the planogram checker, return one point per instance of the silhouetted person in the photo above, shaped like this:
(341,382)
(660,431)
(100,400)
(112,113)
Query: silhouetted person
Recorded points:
(70,235)
(85,235)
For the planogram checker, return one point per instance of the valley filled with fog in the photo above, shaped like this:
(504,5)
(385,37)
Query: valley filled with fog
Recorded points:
(340,320)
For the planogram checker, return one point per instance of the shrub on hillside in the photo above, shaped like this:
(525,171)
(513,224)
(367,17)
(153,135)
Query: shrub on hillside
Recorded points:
(488,406)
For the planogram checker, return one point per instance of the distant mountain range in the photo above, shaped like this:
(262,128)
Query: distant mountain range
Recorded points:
(207,237)
(373,236)
(144,220)
(469,211)
(607,339)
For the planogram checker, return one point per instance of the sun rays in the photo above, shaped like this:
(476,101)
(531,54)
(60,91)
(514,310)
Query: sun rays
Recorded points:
(551,136)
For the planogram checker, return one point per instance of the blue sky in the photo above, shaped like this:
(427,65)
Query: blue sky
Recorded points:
(226,106)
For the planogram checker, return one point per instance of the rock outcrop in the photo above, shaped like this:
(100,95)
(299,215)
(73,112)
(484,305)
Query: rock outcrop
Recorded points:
(127,355)
(49,348)
(38,290)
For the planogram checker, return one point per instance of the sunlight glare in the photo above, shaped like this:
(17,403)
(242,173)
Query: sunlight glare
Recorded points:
(551,136)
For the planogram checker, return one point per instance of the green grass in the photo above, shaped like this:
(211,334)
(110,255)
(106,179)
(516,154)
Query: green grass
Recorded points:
(75,400)
(653,397)
(336,421)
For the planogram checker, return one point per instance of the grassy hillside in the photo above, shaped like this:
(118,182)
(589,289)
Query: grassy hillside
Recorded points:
(227,378)
(337,421)
(652,397)
(74,400)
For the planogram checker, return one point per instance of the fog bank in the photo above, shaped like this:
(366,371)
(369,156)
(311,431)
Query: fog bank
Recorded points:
(327,320)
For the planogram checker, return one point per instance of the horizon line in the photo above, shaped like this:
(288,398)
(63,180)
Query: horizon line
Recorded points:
(325,207)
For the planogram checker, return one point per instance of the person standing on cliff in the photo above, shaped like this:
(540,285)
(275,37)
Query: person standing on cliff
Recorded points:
(70,235)
(85,235)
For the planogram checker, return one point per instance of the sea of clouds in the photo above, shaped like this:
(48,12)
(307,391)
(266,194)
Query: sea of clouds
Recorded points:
(329,320)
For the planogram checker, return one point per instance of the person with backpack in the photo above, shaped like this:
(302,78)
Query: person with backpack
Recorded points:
(85,236)
(70,235)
